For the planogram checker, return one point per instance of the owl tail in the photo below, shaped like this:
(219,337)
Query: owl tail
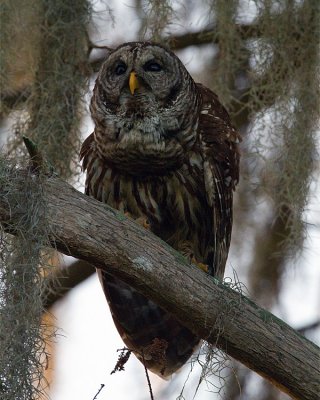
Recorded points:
(158,340)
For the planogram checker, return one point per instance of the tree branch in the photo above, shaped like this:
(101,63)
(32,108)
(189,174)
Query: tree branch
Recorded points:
(91,231)
(176,42)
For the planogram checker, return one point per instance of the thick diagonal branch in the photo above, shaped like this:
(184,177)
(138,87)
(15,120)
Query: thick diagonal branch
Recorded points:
(89,230)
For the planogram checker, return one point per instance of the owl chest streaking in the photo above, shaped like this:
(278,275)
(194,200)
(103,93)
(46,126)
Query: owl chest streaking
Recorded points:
(164,153)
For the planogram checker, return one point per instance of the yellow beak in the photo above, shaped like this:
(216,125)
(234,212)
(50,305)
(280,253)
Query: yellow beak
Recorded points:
(133,82)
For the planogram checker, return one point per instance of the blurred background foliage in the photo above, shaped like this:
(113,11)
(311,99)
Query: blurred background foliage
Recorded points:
(260,56)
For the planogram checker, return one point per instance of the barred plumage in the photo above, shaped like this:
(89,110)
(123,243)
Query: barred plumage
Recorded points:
(163,151)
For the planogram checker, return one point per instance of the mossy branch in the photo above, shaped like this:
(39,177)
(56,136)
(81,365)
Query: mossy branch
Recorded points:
(91,231)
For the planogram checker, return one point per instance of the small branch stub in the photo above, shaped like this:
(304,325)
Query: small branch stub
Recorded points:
(37,162)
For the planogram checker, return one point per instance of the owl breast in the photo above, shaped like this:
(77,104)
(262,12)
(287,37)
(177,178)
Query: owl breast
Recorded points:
(143,148)
(173,203)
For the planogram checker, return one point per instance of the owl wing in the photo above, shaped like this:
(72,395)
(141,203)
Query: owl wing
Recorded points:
(218,141)
(86,154)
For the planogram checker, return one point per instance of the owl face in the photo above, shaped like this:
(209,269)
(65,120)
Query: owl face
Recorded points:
(141,106)
(157,75)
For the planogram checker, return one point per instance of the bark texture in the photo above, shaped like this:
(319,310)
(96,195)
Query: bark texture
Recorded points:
(91,231)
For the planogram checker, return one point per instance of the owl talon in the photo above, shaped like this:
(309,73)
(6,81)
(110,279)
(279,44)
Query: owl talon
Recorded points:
(146,224)
(203,267)
(143,221)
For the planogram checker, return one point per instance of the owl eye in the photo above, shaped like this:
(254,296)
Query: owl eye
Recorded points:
(152,66)
(120,68)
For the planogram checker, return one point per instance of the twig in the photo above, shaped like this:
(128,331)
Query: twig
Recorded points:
(97,394)
(304,329)
(122,360)
(148,378)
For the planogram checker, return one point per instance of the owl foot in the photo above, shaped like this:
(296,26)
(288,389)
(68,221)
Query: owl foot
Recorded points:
(155,353)
(143,221)
(203,267)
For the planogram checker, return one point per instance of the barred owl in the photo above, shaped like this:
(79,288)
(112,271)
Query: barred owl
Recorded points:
(163,152)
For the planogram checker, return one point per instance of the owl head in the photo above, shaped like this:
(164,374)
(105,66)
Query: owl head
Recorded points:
(144,103)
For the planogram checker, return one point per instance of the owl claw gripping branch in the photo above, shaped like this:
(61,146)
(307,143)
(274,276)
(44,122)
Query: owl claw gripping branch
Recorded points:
(164,152)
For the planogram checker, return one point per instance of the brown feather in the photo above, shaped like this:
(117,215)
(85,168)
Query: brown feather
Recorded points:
(168,155)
